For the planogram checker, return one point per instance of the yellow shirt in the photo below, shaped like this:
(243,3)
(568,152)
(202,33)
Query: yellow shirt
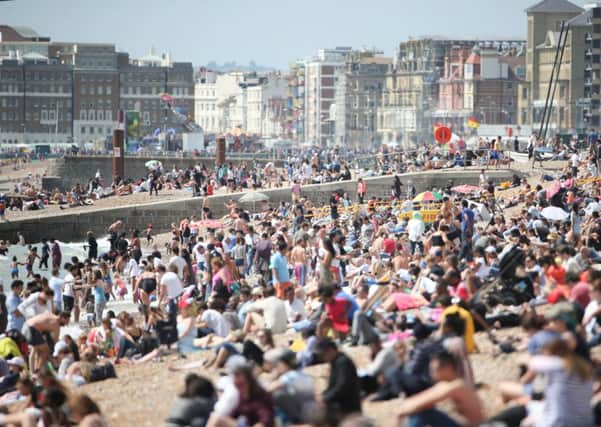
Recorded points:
(9,348)
(468,336)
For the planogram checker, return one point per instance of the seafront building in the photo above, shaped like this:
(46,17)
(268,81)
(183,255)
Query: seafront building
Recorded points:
(63,93)
(575,103)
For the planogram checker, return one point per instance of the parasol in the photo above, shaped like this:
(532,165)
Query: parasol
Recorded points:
(254,197)
(428,196)
(554,213)
(466,189)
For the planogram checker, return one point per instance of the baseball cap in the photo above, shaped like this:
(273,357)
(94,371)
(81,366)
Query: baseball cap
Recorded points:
(16,361)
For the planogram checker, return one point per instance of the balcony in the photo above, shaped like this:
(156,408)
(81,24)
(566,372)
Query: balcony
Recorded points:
(588,38)
(589,52)
(588,82)
(588,67)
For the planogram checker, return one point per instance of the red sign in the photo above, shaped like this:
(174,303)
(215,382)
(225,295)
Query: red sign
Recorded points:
(443,134)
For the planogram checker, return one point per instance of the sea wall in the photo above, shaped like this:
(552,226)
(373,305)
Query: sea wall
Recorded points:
(68,227)
(65,172)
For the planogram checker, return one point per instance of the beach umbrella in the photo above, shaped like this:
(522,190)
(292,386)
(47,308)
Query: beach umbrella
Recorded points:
(152,164)
(254,197)
(428,196)
(466,189)
(207,223)
(554,213)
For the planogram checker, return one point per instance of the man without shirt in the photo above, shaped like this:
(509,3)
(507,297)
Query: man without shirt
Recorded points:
(420,408)
(42,331)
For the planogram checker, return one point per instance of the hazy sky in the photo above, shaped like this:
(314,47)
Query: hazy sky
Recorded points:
(271,32)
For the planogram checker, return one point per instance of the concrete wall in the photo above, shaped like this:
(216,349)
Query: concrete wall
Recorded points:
(67,226)
(65,172)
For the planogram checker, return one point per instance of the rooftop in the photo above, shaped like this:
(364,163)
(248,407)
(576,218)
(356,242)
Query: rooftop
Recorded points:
(554,6)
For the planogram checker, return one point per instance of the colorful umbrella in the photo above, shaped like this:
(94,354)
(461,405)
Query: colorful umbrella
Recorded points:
(466,189)
(428,196)
(207,223)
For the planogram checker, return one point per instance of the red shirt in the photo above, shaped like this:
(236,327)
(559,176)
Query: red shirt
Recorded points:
(389,246)
(337,312)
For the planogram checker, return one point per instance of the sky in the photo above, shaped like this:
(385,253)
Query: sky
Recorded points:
(270,32)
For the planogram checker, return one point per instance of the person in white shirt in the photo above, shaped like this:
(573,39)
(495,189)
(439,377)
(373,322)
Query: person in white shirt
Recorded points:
(132,270)
(36,303)
(273,313)
(295,308)
(170,286)
(212,320)
(179,262)
(574,162)
(415,229)
(56,284)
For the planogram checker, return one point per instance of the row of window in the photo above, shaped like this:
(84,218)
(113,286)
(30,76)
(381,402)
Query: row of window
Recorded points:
(95,90)
(9,101)
(93,115)
(207,107)
(96,130)
(207,92)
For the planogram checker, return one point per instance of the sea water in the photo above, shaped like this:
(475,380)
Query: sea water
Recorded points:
(68,250)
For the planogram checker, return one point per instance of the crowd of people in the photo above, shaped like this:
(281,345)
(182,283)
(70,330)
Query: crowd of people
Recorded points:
(267,295)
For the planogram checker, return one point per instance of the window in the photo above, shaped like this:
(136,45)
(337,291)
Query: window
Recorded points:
(52,115)
(99,90)
(100,115)
(92,115)
(524,93)
(597,43)
(562,91)
(108,115)
(83,129)
(108,90)
(83,90)
(91,129)
(146,117)
(83,115)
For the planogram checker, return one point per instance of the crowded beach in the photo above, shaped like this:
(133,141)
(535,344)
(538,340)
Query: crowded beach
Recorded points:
(468,305)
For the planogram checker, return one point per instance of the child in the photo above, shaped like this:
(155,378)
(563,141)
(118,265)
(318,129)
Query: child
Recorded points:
(90,311)
(149,237)
(30,260)
(120,286)
(239,254)
(14,268)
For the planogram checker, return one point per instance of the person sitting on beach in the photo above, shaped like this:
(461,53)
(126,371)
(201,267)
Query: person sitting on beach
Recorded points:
(255,405)
(194,406)
(420,408)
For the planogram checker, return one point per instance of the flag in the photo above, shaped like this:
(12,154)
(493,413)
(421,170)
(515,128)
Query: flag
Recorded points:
(473,123)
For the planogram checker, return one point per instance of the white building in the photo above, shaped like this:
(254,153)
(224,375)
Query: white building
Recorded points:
(215,97)
(261,105)
(235,100)
(320,82)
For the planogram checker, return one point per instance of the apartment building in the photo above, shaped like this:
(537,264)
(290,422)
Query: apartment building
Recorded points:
(568,103)
(58,93)
(321,73)
(358,94)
